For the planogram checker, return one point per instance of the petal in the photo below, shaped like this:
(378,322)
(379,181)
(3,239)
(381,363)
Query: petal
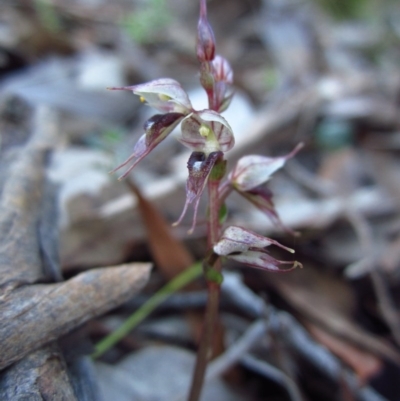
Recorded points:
(221,128)
(139,152)
(237,240)
(254,170)
(199,166)
(160,126)
(164,94)
(226,101)
(261,260)
(156,129)
(191,137)
(218,138)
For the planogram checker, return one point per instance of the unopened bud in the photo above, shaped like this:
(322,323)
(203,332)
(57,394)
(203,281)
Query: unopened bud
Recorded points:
(207,77)
(222,69)
(205,47)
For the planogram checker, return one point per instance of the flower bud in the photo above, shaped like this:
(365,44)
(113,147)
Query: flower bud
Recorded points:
(205,46)
(222,70)
(207,78)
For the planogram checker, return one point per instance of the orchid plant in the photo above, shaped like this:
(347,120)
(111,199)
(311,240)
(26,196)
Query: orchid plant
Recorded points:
(209,136)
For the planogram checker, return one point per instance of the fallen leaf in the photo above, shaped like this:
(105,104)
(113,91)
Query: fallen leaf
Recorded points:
(364,363)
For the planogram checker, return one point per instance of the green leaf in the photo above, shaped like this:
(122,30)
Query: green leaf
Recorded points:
(138,316)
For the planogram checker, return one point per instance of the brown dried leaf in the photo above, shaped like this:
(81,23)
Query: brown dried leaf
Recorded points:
(364,363)
(325,301)
(170,254)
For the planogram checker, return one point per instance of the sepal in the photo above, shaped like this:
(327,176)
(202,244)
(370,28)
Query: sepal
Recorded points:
(157,128)
(253,170)
(199,166)
(164,94)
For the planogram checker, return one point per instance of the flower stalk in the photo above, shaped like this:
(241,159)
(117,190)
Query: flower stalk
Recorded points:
(212,272)
(209,136)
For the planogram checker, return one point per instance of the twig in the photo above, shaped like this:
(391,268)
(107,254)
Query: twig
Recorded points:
(237,350)
(385,302)
(298,338)
(274,374)
(320,357)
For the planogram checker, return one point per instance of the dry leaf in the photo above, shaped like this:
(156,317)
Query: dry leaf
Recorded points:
(170,255)
(365,364)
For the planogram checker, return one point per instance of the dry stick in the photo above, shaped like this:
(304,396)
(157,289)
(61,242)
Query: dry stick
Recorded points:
(273,373)
(365,235)
(294,334)
(386,304)
(301,342)
(237,350)
(250,303)
(385,301)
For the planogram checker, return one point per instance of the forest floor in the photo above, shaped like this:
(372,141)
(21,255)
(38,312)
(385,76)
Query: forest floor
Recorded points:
(81,252)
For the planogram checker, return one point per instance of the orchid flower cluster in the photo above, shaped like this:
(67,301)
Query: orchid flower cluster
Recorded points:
(209,136)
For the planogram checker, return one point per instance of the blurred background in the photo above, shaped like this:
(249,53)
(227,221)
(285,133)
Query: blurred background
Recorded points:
(322,72)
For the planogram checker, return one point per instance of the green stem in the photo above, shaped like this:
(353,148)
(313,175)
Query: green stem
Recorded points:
(139,315)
